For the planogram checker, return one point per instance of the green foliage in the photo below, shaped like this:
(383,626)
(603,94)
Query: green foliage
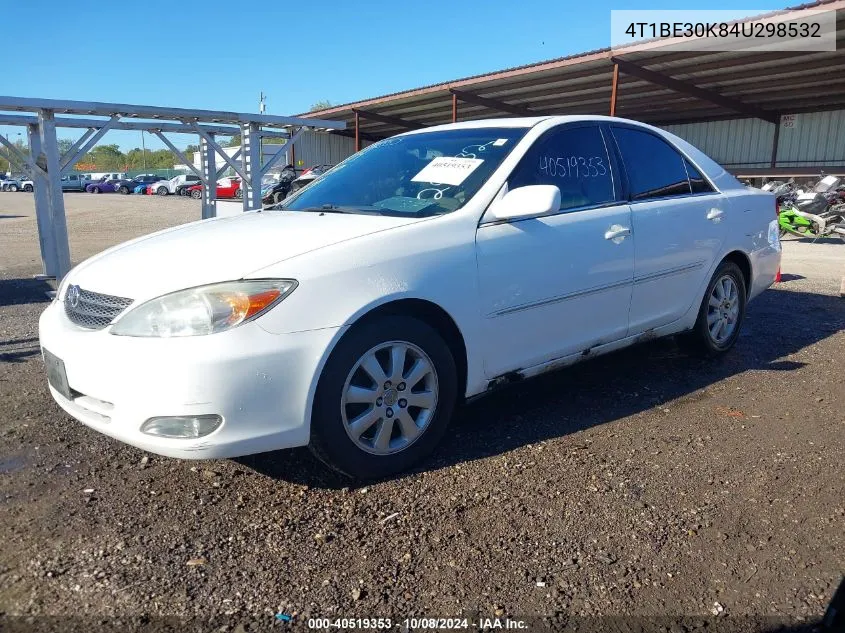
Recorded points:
(320,105)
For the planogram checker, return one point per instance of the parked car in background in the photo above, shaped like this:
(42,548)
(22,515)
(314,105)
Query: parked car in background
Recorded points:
(16,184)
(226,188)
(74,182)
(103,176)
(168,187)
(129,186)
(184,189)
(309,175)
(429,269)
(103,186)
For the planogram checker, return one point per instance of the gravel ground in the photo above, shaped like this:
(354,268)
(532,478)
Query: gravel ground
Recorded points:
(644,483)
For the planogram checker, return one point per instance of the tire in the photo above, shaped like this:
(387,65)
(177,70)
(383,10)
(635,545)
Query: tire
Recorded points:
(95,190)
(278,197)
(330,441)
(13,188)
(162,191)
(27,188)
(196,195)
(703,341)
(239,194)
(123,190)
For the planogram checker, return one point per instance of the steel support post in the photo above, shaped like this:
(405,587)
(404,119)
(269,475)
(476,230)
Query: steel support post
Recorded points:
(41,193)
(251,161)
(357,132)
(454,108)
(613,88)
(209,171)
(50,149)
(775,141)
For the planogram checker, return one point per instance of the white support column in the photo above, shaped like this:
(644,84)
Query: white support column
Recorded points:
(55,199)
(251,161)
(41,196)
(209,171)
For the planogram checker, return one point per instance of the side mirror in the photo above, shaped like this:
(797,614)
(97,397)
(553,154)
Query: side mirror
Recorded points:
(525,202)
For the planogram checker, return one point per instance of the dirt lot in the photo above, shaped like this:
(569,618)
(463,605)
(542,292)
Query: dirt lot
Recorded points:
(641,484)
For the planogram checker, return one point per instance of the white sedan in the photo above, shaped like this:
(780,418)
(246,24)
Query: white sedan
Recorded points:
(427,269)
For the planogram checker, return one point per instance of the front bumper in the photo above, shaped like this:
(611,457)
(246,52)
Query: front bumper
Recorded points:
(260,383)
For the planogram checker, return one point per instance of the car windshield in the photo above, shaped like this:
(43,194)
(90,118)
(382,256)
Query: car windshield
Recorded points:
(424,174)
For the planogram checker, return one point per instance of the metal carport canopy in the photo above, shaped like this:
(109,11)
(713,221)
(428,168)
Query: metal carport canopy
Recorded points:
(45,165)
(647,81)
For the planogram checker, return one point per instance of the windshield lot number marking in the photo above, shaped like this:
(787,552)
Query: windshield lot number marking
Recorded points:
(447,170)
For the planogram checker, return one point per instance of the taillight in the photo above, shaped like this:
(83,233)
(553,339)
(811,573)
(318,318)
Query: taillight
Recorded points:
(777,208)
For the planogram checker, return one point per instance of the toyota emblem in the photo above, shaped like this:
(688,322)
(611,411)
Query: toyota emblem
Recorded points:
(73,296)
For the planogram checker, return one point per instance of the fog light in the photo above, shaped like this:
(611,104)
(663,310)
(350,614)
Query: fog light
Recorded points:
(182,426)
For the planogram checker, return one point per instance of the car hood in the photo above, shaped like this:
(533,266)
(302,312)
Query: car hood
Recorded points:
(221,249)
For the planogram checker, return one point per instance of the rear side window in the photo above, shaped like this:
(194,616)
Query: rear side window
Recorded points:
(575,160)
(697,182)
(655,169)
(191,179)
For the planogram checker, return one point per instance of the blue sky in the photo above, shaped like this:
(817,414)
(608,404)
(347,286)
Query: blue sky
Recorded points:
(219,55)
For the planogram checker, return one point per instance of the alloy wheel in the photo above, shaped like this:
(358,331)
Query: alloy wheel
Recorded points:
(389,397)
(723,309)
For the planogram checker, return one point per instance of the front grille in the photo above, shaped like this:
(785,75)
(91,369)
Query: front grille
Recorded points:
(93,310)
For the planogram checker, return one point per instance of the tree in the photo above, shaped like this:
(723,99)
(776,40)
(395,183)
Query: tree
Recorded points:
(321,105)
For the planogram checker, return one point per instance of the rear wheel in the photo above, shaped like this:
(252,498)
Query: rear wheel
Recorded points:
(27,188)
(278,197)
(162,191)
(13,188)
(239,193)
(721,313)
(95,190)
(384,398)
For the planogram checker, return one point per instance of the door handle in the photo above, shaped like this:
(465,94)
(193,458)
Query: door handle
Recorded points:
(715,215)
(617,233)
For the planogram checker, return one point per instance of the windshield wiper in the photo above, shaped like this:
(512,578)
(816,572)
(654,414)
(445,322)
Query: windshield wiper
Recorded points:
(333,208)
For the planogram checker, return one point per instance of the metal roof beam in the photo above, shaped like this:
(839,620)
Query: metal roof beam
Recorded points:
(179,128)
(493,104)
(691,89)
(24,104)
(389,120)
(364,135)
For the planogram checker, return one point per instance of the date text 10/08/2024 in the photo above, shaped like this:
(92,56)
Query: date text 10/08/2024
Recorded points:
(406,624)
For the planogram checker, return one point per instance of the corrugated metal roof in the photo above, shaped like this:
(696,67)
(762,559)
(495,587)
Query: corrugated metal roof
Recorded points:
(581,84)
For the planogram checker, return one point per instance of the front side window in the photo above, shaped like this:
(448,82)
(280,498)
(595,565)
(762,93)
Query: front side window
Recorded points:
(575,160)
(655,169)
(418,175)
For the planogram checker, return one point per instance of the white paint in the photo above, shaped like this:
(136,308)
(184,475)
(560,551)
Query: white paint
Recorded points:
(528,295)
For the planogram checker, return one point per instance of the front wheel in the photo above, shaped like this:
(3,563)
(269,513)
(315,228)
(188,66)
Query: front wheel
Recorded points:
(384,398)
(95,190)
(27,188)
(721,313)
(162,191)
(13,188)
(196,195)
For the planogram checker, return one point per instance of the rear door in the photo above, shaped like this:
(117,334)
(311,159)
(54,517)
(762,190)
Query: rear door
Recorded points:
(558,284)
(679,223)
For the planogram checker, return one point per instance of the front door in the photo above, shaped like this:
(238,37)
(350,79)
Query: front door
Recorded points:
(559,284)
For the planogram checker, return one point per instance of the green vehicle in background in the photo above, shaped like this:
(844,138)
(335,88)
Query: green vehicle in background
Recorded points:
(816,213)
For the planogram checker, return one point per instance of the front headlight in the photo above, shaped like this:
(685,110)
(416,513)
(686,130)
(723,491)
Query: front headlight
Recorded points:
(204,310)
